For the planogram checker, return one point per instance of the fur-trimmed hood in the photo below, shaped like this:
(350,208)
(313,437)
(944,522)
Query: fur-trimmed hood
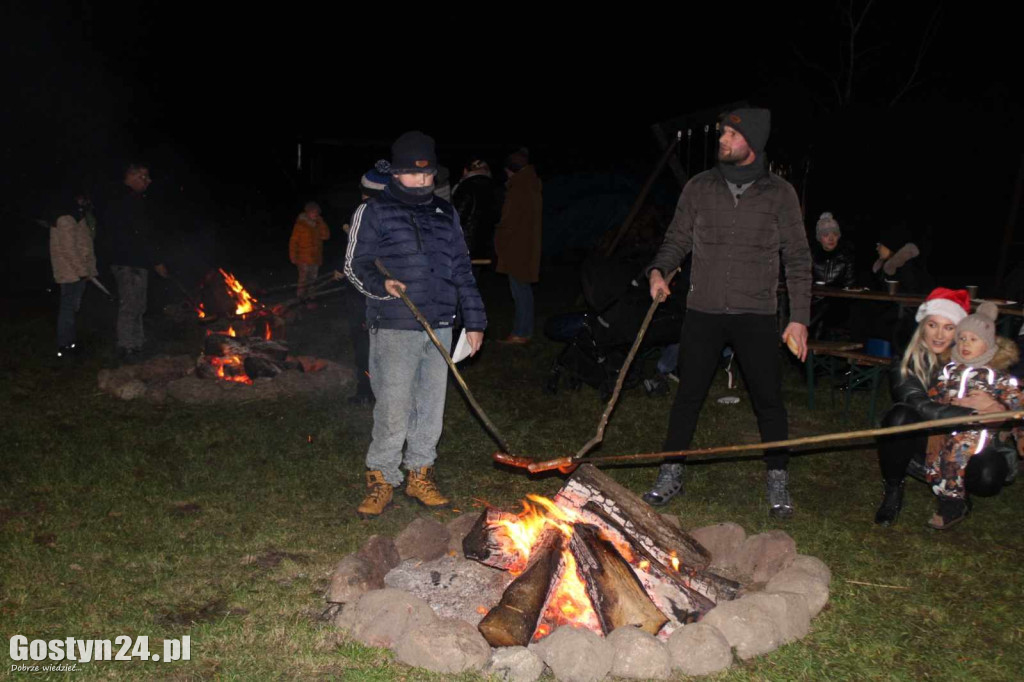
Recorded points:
(1006,355)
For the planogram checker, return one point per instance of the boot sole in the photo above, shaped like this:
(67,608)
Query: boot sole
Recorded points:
(366,516)
(430,506)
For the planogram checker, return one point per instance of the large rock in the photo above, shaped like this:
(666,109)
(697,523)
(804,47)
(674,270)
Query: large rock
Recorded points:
(458,528)
(788,610)
(454,587)
(637,655)
(796,579)
(765,554)
(383,617)
(749,629)
(699,649)
(446,646)
(424,539)
(723,540)
(813,566)
(380,552)
(514,664)
(352,578)
(575,654)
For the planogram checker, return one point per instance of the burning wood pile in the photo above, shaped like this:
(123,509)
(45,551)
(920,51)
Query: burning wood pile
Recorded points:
(252,351)
(597,557)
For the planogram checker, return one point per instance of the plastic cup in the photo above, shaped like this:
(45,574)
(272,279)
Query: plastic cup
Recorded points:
(972,291)
(892,286)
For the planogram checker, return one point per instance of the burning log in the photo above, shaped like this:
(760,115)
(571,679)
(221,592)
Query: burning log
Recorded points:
(514,620)
(620,564)
(637,518)
(615,592)
(485,543)
(256,367)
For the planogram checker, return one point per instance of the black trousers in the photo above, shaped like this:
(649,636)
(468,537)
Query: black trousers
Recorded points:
(986,472)
(755,342)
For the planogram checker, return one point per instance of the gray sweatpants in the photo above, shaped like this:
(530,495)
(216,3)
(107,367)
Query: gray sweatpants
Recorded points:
(132,284)
(409,378)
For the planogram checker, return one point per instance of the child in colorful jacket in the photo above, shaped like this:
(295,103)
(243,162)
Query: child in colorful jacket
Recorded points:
(969,371)
(306,247)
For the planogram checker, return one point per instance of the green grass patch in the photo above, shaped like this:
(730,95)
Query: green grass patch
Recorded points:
(224,523)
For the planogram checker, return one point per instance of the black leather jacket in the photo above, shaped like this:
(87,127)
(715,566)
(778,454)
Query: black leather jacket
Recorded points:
(834,268)
(909,391)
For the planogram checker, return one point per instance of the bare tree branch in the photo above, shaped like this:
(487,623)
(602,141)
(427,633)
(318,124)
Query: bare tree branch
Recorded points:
(930,31)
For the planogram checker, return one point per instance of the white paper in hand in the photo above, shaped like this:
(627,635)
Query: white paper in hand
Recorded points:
(462,348)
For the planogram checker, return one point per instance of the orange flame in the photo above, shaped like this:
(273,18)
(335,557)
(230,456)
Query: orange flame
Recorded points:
(231,331)
(201,311)
(569,602)
(244,302)
(233,361)
(266,330)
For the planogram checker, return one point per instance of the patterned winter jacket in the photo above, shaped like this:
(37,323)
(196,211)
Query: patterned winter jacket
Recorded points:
(736,246)
(422,246)
(956,380)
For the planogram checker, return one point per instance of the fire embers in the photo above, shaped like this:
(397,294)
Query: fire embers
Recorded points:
(231,357)
(596,557)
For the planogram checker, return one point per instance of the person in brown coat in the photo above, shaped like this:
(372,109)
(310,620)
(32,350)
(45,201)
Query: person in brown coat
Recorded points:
(306,247)
(517,240)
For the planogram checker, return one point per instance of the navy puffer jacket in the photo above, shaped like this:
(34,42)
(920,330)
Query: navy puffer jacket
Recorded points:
(422,246)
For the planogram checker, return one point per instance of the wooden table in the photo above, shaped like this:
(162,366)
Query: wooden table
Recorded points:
(905,300)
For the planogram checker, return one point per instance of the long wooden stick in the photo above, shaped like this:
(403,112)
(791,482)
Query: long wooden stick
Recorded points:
(566,464)
(603,422)
(448,358)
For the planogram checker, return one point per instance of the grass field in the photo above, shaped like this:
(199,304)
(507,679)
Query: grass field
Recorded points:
(224,524)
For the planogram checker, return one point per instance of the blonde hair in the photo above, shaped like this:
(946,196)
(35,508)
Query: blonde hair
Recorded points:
(919,359)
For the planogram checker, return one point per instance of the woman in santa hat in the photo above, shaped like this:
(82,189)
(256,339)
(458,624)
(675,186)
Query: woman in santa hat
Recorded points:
(926,354)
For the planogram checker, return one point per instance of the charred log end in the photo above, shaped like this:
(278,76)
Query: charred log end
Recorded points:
(514,620)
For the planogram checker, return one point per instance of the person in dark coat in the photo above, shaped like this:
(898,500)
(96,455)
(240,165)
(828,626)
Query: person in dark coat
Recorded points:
(476,200)
(416,236)
(131,246)
(517,241)
(831,266)
(899,260)
(736,219)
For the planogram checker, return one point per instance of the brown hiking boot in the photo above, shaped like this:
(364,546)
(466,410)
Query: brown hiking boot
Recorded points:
(421,485)
(379,496)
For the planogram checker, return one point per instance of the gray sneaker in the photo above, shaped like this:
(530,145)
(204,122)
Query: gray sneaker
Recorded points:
(779,503)
(668,485)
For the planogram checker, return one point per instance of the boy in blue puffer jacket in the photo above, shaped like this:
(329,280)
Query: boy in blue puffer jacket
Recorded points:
(417,237)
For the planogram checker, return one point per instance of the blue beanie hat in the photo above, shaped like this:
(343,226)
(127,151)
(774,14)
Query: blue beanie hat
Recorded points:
(376,179)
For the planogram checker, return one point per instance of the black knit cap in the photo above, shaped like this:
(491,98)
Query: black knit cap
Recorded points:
(753,124)
(413,152)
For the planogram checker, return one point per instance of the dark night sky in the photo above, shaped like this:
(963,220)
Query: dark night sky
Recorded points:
(225,93)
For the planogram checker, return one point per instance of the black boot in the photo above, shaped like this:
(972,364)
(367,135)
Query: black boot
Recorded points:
(892,503)
(949,512)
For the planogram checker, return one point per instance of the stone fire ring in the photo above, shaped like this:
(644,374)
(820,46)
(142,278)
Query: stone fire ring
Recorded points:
(173,377)
(418,596)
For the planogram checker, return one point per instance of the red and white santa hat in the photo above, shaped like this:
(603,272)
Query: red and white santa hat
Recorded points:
(954,305)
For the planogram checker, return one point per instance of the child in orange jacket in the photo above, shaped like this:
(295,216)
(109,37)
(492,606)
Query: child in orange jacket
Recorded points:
(306,247)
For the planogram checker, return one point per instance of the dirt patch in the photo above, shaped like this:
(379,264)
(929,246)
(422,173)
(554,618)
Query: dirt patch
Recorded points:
(184,509)
(188,614)
(272,559)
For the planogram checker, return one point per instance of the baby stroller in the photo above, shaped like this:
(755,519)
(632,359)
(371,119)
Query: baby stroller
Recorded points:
(598,341)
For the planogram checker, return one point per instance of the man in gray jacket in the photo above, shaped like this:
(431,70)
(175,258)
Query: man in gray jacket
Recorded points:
(736,219)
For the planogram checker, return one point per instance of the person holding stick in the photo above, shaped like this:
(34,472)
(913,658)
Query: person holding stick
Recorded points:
(929,350)
(417,237)
(736,219)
